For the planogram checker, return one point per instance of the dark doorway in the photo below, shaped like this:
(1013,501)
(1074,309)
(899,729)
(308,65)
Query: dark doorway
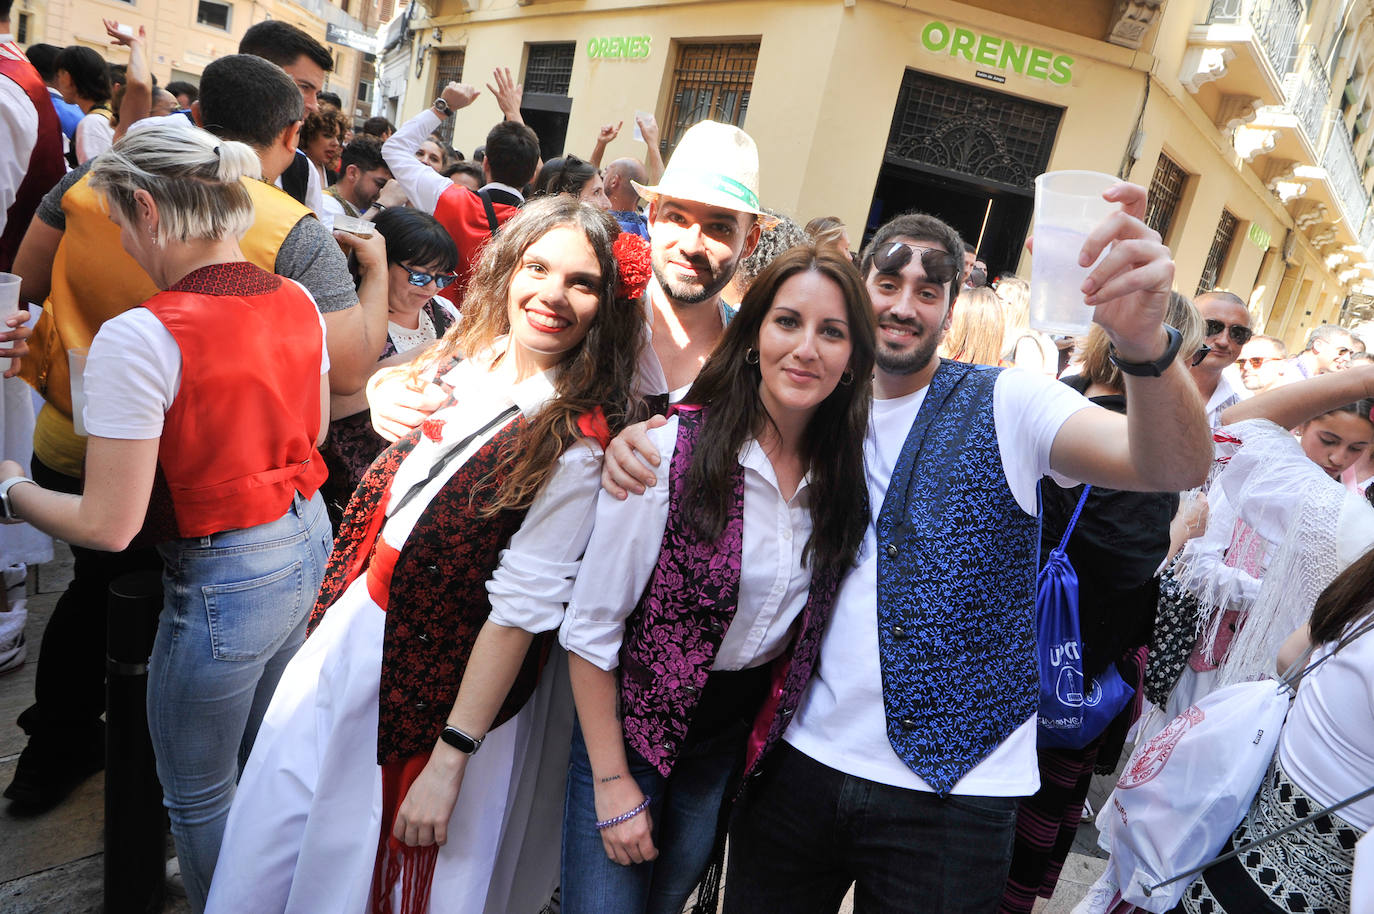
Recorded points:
(964,153)
(547,116)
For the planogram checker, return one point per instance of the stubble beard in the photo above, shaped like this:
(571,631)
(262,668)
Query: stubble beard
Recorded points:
(908,361)
(691,293)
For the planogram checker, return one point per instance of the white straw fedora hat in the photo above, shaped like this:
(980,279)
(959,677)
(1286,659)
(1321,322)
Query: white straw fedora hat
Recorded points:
(716,164)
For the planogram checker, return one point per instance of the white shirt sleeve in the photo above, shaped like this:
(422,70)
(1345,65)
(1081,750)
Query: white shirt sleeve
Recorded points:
(94,135)
(329,209)
(1029,409)
(535,578)
(18,133)
(314,192)
(620,558)
(132,375)
(422,184)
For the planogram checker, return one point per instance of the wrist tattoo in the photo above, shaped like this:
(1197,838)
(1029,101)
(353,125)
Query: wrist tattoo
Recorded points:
(614,777)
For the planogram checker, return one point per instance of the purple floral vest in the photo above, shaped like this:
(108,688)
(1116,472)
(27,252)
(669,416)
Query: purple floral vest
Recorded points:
(672,637)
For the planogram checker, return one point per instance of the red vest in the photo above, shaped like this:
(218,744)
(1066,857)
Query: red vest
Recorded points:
(239,440)
(461,212)
(46,165)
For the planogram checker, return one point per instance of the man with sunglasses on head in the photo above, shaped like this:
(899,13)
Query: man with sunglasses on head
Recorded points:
(909,749)
(1328,349)
(1226,330)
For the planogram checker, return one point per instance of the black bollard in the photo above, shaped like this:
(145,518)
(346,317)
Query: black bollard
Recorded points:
(135,823)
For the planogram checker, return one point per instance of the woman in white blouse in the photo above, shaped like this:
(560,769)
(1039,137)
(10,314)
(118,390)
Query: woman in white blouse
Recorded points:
(688,595)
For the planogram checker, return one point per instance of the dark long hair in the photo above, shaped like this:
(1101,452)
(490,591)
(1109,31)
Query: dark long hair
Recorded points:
(565,175)
(833,444)
(597,372)
(1345,601)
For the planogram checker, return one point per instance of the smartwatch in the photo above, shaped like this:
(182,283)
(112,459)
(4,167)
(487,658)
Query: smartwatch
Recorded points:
(5,504)
(442,107)
(468,745)
(1149,369)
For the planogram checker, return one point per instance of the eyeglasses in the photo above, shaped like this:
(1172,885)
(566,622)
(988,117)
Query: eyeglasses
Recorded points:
(939,266)
(416,278)
(1240,335)
(1254,361)
(1199,356)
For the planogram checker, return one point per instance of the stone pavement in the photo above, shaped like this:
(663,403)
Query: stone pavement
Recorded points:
(52,864)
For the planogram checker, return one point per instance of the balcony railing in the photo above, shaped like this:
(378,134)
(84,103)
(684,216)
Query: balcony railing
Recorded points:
(1276,24)
(1339,162)
(1307,91)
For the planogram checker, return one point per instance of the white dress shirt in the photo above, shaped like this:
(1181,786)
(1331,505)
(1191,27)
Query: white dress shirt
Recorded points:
(624,549)
(18,131)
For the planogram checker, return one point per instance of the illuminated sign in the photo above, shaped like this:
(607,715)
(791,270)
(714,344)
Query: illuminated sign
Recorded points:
(998,53)
(626,47)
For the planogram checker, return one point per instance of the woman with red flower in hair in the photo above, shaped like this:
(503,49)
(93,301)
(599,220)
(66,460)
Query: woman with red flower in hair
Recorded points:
(698,611)
(432,634)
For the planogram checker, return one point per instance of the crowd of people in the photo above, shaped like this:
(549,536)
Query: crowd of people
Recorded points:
(558,535)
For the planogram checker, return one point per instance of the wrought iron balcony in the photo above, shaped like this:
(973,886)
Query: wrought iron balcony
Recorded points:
(1344,177)
(1307,90)
(1276,24)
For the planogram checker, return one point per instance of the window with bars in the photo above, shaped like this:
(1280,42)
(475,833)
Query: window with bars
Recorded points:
(448,68)
(1166,193)
(214,14)
(549,68)
(710,82)
(1220,250)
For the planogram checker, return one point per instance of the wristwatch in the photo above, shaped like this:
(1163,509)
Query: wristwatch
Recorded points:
(442,107)
(468,745)
(5,503)
(1149,369)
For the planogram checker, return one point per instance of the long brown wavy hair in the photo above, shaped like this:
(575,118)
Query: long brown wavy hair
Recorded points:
(833,444)
(597,372)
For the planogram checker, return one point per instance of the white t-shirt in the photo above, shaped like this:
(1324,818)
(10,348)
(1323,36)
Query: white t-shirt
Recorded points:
(94,135)
(841,722)
(18,131)
(133,373)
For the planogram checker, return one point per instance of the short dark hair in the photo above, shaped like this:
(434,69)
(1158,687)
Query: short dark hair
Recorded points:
(920,227)
(183,88)
(376,126)
(416,238)
(5,6)
(89,72)
(465,168)
(44,59)
(284,44)
(513,153)
(365,152)
(327,97)
(564,175)
(479,154)
(244,97)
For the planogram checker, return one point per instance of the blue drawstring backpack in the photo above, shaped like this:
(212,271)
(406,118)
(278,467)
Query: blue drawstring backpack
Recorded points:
(1072,713)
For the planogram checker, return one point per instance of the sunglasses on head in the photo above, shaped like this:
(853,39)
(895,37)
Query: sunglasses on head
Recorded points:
(1240,335)
(416,278)
(939,266)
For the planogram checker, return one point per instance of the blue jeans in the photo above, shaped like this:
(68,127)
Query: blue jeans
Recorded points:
(234,612)
(686,810)
(804,832)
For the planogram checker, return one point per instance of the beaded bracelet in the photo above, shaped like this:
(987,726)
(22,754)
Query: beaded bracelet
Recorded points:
(624,816)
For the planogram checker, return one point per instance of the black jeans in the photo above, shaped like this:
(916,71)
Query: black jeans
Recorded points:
(804,832)
(69,684)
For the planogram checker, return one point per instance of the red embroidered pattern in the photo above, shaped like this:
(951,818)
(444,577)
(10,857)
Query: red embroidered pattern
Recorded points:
(240,278)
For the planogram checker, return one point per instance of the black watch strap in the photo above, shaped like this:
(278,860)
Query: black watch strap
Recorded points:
(468,745)
(1150,369)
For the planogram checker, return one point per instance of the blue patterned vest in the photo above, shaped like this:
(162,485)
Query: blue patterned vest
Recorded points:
(956,584)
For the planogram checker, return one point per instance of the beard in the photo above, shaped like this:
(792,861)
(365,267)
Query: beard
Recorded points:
(692,291)
(909,361)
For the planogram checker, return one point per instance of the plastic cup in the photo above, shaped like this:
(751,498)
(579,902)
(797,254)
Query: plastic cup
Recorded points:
(9,306)
(76,363)
(1068,205)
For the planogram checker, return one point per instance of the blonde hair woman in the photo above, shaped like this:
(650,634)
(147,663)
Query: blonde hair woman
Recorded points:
(1023,347)
(975,330)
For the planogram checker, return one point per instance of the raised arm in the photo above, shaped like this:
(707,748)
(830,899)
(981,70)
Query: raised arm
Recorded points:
(1163,443)
(138,88)
(423,185)
(653,156)
(1293,404)
(604,137)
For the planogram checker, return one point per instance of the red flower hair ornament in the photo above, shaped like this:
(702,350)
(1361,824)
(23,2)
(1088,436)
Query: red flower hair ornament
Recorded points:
(632,259)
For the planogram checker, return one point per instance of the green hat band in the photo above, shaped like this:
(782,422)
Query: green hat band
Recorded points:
(716,181)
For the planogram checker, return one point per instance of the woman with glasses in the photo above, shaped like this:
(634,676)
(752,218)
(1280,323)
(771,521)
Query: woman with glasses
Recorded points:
(421,259)
(204,407)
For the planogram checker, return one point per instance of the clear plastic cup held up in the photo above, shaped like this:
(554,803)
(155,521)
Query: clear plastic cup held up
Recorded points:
(9,306)
(1068,205)
(76,363)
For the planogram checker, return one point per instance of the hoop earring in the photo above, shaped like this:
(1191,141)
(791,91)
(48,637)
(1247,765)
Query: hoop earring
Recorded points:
(848,377)
(751,356)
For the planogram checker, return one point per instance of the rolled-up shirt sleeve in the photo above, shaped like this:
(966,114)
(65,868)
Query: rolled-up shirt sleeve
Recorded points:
(621,556)
(422,184)
(534,579)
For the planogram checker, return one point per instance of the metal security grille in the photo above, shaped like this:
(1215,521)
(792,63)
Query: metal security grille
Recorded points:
(448,68)
(970,131)
(710,82)
(1166,192)
(549,68)
(1221,247)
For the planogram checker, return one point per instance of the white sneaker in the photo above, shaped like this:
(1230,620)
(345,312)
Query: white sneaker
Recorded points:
(1102,895)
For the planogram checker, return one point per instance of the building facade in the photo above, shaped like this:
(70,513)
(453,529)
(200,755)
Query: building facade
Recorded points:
(1248,119)
(186,35)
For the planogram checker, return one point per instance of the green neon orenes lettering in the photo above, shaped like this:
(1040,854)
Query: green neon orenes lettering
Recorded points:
(962,44)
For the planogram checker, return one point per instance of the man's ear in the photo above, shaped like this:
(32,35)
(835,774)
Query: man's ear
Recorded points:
(291,136)
(486,170)
(196,115)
